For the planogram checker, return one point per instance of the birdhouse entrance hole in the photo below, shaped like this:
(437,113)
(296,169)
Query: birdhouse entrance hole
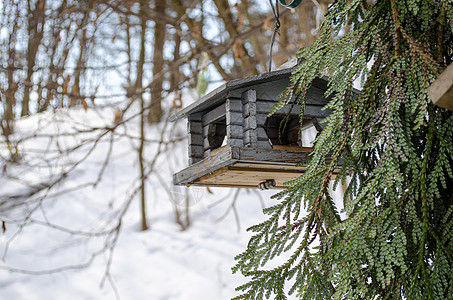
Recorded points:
(283,132)
(216,134)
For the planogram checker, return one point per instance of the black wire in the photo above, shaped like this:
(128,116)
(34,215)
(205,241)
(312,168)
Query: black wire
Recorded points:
(277,24)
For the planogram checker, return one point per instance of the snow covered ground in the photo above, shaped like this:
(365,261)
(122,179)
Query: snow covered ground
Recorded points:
(75,223)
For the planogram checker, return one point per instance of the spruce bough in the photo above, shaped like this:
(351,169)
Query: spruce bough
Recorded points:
(396,149)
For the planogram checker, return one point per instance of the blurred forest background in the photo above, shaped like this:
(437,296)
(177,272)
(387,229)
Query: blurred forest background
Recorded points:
(95,53)
(58,54)
(127,66)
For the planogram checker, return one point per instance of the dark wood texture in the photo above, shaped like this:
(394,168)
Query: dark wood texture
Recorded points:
(224,156)
(195,139)
(214,115)
(219,95)
(286,159)
(248,99)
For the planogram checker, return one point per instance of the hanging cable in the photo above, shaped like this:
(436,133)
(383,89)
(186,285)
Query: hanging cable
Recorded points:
(277,24)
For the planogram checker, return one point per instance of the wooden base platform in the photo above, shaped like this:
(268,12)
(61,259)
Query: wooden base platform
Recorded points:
(245,167)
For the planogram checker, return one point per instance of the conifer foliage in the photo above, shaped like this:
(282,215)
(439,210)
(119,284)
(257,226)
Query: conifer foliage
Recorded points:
(396,154)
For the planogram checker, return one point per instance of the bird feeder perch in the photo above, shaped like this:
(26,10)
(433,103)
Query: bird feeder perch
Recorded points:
(233,142)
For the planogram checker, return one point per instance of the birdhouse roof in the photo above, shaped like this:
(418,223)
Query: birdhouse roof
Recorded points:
(219,95)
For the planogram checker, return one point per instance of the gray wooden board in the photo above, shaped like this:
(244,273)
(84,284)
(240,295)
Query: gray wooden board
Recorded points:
(263,144)
(224,157)
(195,117)
(193,160)
(233,104)
(214,115)
(195,151)
(310,110)
(233,142)
(194,127)
(195,139)
(248,96)
(219,95)
(227,156)
(269,84)
(249,109)
(234,118)
(249,123)
(234,131)
(206,130)
(272,156)
(250,137)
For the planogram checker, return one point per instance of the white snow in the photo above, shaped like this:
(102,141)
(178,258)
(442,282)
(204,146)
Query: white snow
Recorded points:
(161,263)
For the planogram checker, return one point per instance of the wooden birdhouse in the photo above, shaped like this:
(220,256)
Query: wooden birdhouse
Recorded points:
(233,142)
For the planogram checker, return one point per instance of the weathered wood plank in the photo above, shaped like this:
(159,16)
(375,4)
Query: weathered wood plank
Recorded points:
(269,166)
(218,96)
(263,144)
(233,105)
(273,155)
(249,109)
(234,131)
(194,127)
(249,96)
(270,91)
(195,139)
(247,176)
(234,142)
(214,115)
(248,99)
(234,118)
(249,123)
(193,160)
(250,138)
(310,110)
(263,160)
(195,151)
(225,156)
(293,148)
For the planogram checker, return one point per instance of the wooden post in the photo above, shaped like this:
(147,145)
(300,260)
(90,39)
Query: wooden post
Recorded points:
(261,134)
(234,131)
(194,130)
(248,99)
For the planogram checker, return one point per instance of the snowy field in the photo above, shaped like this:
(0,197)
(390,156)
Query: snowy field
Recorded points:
(77,222)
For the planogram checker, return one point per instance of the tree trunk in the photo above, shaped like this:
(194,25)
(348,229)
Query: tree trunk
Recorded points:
(35,33)
(75,90)
(180,9)
(247,62)
(155,112)
(138,86)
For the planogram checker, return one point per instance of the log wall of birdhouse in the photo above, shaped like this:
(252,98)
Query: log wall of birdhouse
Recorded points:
(243,121)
